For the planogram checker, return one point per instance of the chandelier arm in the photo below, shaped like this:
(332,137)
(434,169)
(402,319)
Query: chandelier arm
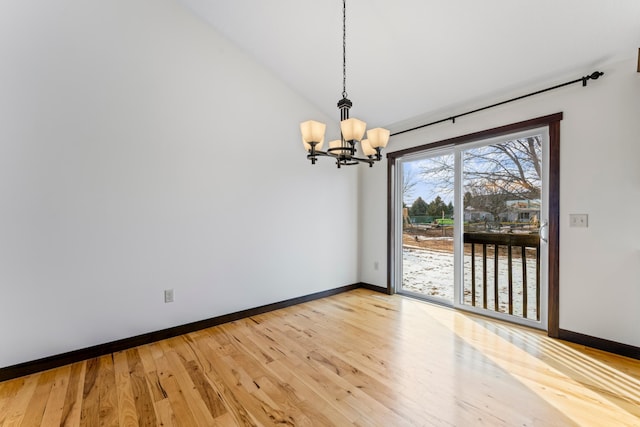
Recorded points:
(367,160)
(318,153)
(330,154)
(350,161)
(321,154)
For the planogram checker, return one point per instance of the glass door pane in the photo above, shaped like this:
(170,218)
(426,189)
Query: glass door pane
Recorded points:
(427,191)
(502,197)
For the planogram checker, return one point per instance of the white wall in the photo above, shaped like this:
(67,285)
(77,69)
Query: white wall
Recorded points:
(141,151)
(600,176)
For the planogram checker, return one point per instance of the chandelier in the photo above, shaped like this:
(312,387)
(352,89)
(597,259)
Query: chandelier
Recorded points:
(352,130)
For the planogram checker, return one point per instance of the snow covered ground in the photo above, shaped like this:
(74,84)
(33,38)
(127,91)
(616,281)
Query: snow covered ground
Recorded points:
(430,273)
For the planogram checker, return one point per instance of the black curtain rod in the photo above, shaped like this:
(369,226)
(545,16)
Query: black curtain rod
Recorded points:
(593,76)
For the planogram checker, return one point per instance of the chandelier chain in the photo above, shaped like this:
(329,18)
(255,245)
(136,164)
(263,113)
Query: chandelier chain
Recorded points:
(344,48)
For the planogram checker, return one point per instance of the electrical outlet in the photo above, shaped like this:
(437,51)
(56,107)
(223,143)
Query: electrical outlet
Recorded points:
(376,265)
(578,220)
(168,295)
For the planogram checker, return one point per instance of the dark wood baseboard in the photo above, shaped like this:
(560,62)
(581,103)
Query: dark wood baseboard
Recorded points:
(600,344)
(58,360)
(375,288)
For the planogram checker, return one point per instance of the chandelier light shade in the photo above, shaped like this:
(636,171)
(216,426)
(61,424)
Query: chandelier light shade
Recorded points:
(367,149)
(312,131)
(352,130)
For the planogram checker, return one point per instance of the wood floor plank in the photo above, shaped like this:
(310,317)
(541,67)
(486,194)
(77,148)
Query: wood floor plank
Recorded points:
(207,393)
(143,400)
(72,410)
(359,358)
(177,400)
(90,412)
(55,404)
(165,415)
(8,391)
(188,389)
(38,402)
(300,362)
(127,412)
(335,409)
(148,355)
(257,343)
(19,404)
(108,399)
(209,351)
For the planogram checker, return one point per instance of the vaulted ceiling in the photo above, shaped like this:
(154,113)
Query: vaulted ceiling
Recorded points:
(412,58)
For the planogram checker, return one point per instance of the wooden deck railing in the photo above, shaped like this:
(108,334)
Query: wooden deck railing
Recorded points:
(504,242)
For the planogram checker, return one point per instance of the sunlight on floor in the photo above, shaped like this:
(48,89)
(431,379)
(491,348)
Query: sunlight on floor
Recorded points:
(611,394)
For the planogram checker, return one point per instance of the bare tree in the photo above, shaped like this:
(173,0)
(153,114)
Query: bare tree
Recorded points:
(409,182)
(439,172)
(492,174)
(512,168)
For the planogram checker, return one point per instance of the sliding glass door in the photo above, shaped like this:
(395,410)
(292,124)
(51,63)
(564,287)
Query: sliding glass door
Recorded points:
(427,226)
(472,224)
(504,209)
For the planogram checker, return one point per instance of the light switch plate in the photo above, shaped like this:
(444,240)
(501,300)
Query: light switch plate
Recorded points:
(578,220)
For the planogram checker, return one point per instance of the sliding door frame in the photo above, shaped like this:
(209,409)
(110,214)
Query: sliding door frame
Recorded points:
(552,122)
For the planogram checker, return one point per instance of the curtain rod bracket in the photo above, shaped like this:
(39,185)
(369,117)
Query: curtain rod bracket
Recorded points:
(593,76)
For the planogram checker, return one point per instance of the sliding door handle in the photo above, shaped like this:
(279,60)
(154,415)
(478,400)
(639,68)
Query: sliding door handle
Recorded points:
(544,231)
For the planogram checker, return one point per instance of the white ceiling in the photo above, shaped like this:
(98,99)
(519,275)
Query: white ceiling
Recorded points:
(410,58)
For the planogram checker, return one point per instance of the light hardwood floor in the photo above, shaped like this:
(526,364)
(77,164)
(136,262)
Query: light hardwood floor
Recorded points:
(358,358)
